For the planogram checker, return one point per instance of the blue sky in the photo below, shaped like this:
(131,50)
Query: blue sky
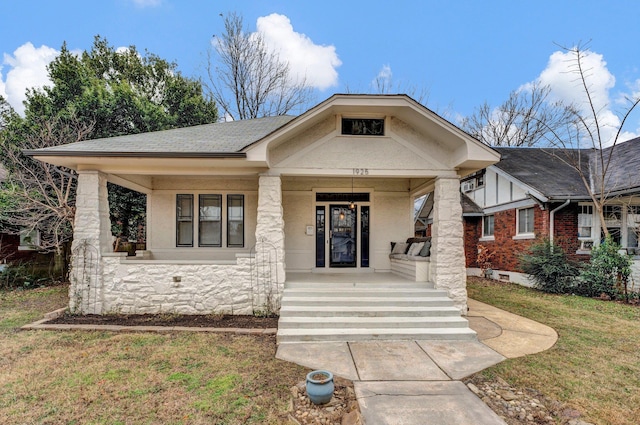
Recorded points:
(460,52)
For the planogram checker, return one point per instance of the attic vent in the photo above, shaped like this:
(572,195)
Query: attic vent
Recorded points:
(363,126)
(468,186)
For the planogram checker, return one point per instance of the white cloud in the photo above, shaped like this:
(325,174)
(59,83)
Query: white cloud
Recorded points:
(384,80)
(315,63)
(562,75)
(27,68)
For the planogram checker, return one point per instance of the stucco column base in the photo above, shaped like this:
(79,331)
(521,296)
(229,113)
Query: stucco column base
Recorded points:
(269,260)
(91,238)
(447,252)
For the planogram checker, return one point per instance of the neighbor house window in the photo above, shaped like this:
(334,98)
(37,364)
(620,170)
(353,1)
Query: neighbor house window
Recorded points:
(235,220)
(585,221)
(184,220)
(210,220)
(29,240)
(613,220)
(633,225)
(525,221)
(487,226)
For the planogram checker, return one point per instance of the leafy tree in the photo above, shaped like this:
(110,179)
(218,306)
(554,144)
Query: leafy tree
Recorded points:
(247,79)
(102,92)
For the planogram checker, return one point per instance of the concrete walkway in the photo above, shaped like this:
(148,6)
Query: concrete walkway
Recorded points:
(417,382)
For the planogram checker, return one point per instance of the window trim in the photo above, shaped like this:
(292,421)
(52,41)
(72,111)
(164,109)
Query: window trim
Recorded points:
(485,236)
(202,196)
(525,235)
(229,221)
(178,219)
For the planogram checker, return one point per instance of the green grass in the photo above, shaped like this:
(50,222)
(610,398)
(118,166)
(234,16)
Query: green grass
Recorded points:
(133,378)
(595,365)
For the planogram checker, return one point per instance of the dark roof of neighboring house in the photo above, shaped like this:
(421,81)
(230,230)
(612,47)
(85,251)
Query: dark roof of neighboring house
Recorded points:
(217,138)
(469,208)
(544,172)
(624,170)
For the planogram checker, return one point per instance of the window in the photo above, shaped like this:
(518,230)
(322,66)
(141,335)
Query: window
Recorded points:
(235,218)
(487,226)
(210,220)
(363,126)
(613,220)
(184,220)
(633,225)
(525,221)
(585,221)
(29,240)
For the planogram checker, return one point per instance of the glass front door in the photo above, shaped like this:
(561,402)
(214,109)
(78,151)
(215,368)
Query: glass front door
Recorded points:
(342,236)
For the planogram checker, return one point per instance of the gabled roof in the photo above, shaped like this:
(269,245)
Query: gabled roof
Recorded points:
(218,139)
(539,169)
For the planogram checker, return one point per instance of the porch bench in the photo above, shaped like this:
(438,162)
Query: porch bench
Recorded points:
(411,259)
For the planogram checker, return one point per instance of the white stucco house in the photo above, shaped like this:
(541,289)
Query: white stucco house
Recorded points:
(234,208)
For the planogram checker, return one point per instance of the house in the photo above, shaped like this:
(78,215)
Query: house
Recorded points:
(532,194)
(235,208)
(14,246)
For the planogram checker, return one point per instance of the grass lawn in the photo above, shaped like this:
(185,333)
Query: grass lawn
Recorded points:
(134,378)
(595,365)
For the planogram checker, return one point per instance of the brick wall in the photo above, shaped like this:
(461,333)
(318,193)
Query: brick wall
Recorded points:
(472,232)
(506,250)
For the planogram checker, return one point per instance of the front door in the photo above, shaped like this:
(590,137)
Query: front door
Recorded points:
(342,236)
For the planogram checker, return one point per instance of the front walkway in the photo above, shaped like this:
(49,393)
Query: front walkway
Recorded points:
(417,382)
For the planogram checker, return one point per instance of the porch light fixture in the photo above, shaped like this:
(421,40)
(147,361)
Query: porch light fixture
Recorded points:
(352,205)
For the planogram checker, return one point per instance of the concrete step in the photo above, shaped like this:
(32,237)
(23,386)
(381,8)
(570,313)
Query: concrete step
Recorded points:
(358,300)
(366,311)
(364,292)
(359,285)
(308,335)
(371,322)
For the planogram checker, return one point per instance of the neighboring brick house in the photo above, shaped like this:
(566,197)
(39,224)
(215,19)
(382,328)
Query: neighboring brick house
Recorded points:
(531,195)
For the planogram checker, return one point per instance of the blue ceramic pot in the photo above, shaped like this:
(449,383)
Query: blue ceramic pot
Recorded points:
(320,386)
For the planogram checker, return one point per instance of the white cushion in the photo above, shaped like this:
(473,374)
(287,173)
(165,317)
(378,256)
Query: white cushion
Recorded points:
(399,248)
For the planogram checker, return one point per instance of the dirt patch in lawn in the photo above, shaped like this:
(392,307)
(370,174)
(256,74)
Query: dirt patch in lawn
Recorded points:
(195,321)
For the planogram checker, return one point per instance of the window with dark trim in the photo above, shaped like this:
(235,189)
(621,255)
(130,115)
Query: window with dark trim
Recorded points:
(184,220)
(210,220)
(235,221)
(363,126)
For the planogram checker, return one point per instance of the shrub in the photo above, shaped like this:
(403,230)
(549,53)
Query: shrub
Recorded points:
(21,276)
(607,273)
(550,268)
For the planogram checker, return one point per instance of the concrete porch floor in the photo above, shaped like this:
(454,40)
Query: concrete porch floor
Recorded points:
(346,277)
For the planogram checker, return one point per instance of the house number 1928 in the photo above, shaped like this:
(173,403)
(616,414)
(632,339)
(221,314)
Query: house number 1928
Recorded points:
(361,171)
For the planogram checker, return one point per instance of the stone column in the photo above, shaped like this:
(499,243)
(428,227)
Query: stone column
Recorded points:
(269,267)
(91,238)
(448,270)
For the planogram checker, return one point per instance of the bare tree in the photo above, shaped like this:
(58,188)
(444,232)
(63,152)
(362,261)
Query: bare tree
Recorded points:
(584,143)
(525,119)
(249,80)
(40,196)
